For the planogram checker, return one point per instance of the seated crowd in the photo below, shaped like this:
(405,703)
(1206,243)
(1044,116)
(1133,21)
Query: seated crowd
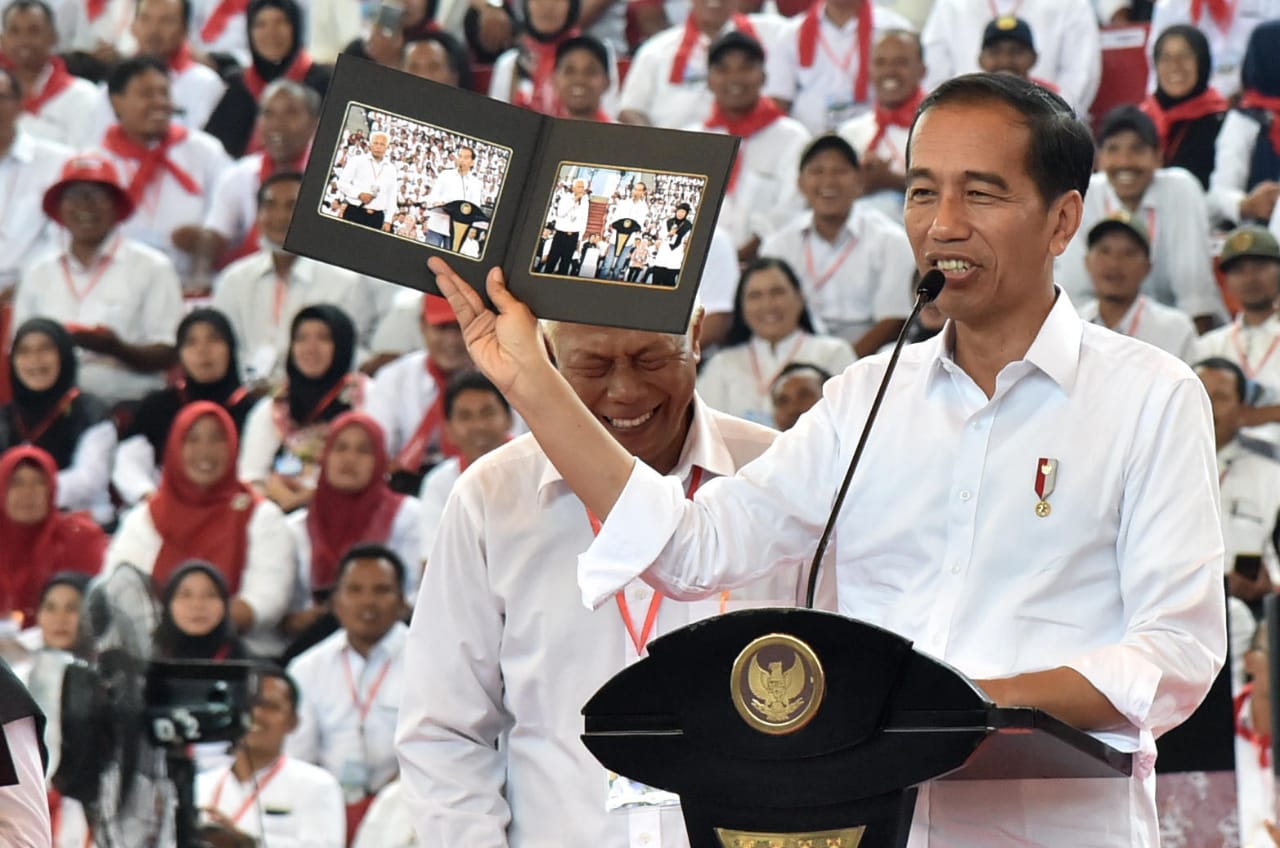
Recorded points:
(273,440)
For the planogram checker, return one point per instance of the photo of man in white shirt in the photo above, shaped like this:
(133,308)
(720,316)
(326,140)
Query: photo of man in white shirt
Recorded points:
(368,184)
(456,184)
(569,221)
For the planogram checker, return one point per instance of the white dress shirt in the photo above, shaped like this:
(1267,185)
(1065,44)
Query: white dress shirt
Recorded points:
(234,38)
(233,206)
(433,494)
(137,295)
(297,806)
(1121,582)
(821,95)
(330,731)
(67,118)
(196,91)
(387,824)
(451,185)
(766,194)
(864,277)
(736,379)
(165,205)
(1232,162)
(891,148)
(24,808)
(1150,321)
(85,484)
(1250,484)
(636,210)
(1254,347)
(504,73)
(1065,33)
(264,583)
(488,740)
(1226,47)
(1174,214)
(365,175)
(27,169)
(569,215)
(401,393)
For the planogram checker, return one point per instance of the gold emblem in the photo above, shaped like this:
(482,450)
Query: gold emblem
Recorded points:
(1043,509)
(465,208)
(1242,240)
(777,684)
(848,837)
(1006,22)
(241,502)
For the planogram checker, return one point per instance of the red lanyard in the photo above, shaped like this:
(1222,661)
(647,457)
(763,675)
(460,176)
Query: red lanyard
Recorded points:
(762,386)
(995,11)
(363,707)
(819,281)
(280,292)
(99,268)
(1249,370)
(32,436)
(639,640)
(329,398)
(842,64)
(259,787)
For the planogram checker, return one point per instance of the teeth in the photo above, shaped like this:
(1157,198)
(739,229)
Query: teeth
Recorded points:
(629,423)
(953,265)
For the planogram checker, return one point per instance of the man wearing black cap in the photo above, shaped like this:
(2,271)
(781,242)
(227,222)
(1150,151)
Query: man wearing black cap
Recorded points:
(1118,260)
(1008,47)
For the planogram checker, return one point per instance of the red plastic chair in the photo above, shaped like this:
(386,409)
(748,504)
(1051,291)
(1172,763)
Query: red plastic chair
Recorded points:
(1124,69)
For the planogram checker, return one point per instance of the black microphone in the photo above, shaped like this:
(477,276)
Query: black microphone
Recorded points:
(930,284)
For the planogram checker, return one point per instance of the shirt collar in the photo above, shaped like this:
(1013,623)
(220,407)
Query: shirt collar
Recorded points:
(388,646)
(847,230)
(22,148)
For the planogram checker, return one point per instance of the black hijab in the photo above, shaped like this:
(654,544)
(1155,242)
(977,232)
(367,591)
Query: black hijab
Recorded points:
(155,414)
(30,409)
(271,71)
(1204,62)
(307,393)
(171,643)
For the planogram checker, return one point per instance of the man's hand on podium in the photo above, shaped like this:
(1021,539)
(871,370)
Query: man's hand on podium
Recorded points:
(1062,692)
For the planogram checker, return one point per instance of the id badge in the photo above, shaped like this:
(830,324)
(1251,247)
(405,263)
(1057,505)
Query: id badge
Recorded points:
(626,794)
(288,464)
(354,778)
(840,110)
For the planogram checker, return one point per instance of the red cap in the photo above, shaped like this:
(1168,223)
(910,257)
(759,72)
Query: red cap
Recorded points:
(436,310)
(88,168)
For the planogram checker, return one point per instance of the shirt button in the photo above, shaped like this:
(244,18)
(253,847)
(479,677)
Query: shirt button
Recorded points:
(955,568)
(965,494)
(645,838)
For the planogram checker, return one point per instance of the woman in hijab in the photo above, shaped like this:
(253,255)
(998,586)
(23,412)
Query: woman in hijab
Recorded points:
(1243,187)
(36,540)
(672,247)
(195,616)
(201,511)
(210,371)
(284,435)
(523,75)
(275,45)
(50,412)
(1187,112)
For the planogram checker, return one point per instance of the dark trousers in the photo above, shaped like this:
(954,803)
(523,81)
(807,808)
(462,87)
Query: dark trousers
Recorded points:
(362,216)
(563,247)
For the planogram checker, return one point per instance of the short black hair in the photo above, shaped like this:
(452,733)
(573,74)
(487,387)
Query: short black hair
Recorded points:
(1129,119)
(793,367)
(589,43)
(277,177)
(1060,155)
(271,670)
(372,550)
(26,6)
(186,11)
(124,72)
(734,42)
(1219,363)
(470,381)
(457,53)
(825,142)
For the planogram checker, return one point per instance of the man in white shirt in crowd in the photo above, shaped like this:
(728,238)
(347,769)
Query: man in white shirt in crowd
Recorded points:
(819,66)
(168,170)
(28,166)
(56,105)
(351,682)
(160,28)
(119,299)
(997,169)
(1169,203)
(219,26)
(1118,260)
(626,221)
(1070,54)
(369,183)
(666,85)
(568,224)
(475,754)
(854,263)
(879,136)
(1008,47)
(1227,26)
(265,794)
(457,183)
(439,57)
(795,390)
(261,293)
(581,78)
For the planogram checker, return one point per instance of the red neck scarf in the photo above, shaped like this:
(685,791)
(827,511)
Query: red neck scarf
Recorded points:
(216,23)
(297,72)
(60,79)
(541,96)
(1252,99)
(1222,12)
(181,59)
(32,553)
(899,116)
(430,429)
(811,34)
(690,40)
(599,117)
(212,523)
(764,113)
(94,9)
(1207,102)
(152,161)
(336,520)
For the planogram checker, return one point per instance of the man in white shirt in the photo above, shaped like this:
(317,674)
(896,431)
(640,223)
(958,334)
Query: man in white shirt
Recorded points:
(168,170)
(119,299)
(854,263)
(1227,26)
(28,166)
(219,26)
(351,682)
(160,28)
(627,220)
(1070,54)
(455,184)
(56,105)
(568,223)
(1169,203)
(880,136)
(265,794)
(369,183)
(475,754)
(984,568)
(1118,260)
(819,66)
(261,293)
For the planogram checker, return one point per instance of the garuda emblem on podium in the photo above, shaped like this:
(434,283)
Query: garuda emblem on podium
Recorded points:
(777,684)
